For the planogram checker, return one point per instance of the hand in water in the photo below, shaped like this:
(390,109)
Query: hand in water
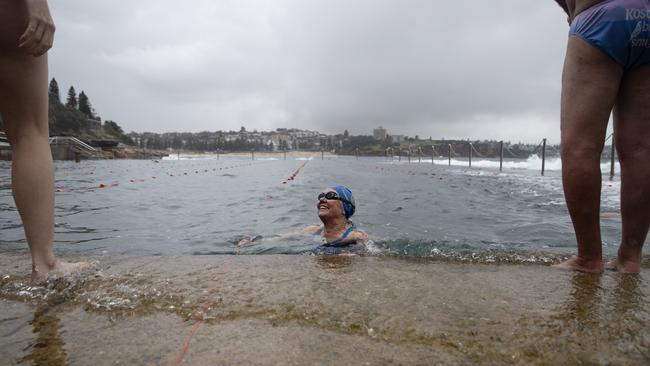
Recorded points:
(244,242)
(39,35)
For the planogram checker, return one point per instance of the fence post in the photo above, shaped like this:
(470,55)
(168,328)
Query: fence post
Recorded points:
(433,154)
(501,156)
(419,154)
(543,155)
(470,154)
(322,155)
(252,154)
(449,146)
(285,154)
(612,159)
(217,154)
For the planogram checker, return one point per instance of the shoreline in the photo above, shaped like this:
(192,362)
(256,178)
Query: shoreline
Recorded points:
(278,309)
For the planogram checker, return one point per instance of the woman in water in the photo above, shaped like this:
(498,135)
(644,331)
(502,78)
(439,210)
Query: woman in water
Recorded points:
(334,207)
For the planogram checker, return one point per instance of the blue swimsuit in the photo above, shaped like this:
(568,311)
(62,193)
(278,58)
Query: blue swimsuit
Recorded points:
(620,28)
(338,242)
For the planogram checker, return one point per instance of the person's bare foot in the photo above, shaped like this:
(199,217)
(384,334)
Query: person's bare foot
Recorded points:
(628,266)
(60,268)
(581,265)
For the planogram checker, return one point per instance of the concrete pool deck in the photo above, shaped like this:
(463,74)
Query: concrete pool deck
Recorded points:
(299,309)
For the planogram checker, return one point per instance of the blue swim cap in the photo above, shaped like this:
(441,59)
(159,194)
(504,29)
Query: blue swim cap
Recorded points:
(347,199)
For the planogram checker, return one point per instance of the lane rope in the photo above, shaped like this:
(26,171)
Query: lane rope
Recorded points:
(102,185)
(295,173)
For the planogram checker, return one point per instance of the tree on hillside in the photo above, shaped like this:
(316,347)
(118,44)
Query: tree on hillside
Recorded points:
(113,128)
(64,120)
(72,98)
(84,105)
(55,97)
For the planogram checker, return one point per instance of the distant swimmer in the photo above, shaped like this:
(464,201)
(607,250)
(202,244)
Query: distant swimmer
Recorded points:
(334,207)
(26,34)
(607,68)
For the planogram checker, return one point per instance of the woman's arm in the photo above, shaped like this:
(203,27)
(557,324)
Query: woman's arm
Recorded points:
(356,236)
(310,230)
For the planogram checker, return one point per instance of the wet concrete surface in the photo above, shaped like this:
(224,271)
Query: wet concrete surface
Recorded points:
(296,310)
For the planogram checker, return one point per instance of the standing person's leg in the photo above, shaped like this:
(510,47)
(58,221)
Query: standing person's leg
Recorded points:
(632,132)
(24,109)
(23,104)
(590,84)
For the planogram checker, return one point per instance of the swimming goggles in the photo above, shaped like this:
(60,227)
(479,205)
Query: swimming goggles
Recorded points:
(334,196)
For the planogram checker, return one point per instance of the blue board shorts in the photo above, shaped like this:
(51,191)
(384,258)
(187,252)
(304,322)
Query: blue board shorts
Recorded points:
(619,28)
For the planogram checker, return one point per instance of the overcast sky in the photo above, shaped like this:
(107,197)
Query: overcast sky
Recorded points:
(454,69)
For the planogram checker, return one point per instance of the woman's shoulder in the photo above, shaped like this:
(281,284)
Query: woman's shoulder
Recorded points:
(312,229)
(358,234)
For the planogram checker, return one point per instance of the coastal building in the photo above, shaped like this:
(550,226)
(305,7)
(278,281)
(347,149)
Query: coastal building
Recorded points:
(231,137)
(93,124)
(280,140)
(397,139)
(379,133)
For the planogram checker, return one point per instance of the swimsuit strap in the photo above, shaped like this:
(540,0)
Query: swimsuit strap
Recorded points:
(337,242)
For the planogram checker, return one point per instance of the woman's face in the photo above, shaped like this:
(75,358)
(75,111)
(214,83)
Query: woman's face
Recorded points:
(329,208)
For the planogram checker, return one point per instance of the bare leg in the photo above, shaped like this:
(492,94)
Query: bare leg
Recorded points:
(590,84)
(23,105)
(632,132)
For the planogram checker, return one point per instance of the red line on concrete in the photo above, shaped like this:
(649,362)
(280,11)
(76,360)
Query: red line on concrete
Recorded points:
(186,343)
(188,338)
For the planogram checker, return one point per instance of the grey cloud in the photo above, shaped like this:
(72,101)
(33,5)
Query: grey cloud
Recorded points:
(416,67)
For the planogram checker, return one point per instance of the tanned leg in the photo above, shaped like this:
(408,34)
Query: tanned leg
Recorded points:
(590,85)
(632,132)
(24,109)
(32,173)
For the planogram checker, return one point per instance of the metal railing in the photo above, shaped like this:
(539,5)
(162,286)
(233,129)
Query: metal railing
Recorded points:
(540,150)
(73,142)
(4,142)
